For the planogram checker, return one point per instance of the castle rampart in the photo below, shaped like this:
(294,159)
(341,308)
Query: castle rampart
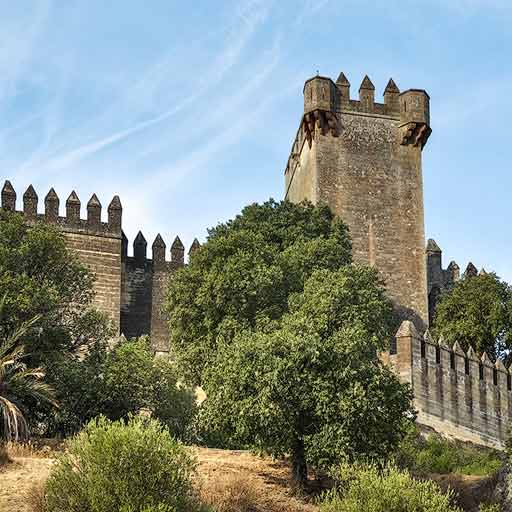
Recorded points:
(129,289)
(463,395)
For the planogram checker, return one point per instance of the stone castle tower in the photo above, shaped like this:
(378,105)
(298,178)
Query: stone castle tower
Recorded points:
(363,159)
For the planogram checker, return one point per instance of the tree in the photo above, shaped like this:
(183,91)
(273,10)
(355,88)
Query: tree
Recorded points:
(313,386)
(477,312)
(244,275)
(41,277)
(116,383)
(19,385)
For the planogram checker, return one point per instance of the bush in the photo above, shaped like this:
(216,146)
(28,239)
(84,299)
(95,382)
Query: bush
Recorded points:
(367,489)
(435,454)
(117,383)
(114,466)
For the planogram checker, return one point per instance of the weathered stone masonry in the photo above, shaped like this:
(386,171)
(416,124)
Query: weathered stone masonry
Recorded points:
(363,159)
(129,289)
(456,393)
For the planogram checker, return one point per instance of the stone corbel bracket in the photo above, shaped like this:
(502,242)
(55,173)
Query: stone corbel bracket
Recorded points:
(325,121)
(416,134)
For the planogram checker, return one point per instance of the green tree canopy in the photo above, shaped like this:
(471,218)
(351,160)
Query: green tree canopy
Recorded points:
(313,387)
(283,332)
(477,312)
(244,275)
(40,277)
(116,383)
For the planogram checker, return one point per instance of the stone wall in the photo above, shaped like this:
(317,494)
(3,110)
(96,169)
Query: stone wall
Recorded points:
(363,159)
(129,289)
(463,395)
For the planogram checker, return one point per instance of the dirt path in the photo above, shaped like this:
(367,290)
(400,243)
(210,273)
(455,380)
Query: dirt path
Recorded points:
(17,479)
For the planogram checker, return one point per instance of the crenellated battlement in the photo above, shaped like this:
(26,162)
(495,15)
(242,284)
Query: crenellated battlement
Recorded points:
(129,289)
(158,258)
(462,394)
(71,221)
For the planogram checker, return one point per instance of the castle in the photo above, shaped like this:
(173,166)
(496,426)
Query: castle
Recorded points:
(364,160)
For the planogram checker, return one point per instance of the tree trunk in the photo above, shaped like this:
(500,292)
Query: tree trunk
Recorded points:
(299,465)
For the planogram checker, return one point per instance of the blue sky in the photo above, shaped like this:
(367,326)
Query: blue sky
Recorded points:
(187,110)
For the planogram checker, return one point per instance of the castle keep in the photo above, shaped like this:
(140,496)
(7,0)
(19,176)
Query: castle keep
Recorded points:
(129,289)
(363,159)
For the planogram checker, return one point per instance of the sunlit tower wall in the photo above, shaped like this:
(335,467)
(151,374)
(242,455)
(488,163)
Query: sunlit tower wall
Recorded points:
(364,160)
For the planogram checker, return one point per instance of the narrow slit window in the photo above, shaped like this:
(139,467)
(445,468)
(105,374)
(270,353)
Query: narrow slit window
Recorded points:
(452,360)
(466,366)
(481,371)
(495,376)
(438,355)
(422,348)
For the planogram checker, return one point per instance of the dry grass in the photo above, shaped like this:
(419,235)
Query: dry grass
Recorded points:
(231,493)
(237,481)
(40,450)
(35,499)
(229,481)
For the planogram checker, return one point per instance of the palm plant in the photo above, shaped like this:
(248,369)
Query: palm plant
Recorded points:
(18,384)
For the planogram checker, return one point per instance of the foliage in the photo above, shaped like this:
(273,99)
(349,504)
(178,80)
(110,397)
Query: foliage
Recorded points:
(436,454)
(41,277)
(243,276)
(367,489)
(117,382)
(19,384)
(111,465)
(477,312)
(313,387)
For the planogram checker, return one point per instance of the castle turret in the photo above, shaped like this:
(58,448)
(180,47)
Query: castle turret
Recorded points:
(414,117)
(319,94)
(8,197)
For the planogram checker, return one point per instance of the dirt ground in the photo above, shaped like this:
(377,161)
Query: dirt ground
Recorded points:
(269,478)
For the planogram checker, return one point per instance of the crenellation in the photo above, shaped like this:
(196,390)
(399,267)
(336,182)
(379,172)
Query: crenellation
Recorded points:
(51,206)
(73,208)
(8,196)
(30,201)
(140,249)
(463,395)
(115,211)
(177,252)
(367,94)
(94,212)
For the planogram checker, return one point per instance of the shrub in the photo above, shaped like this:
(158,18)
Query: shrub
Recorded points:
(366,489)
(111,465)
(435,454)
